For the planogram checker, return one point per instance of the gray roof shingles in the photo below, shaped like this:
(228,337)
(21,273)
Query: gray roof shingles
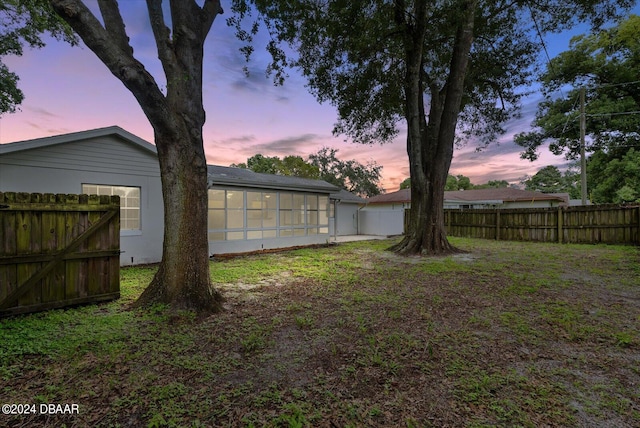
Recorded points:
(231,176)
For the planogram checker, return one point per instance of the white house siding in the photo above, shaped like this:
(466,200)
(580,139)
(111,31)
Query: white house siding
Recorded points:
(105,160)
(346,219)
(381,222)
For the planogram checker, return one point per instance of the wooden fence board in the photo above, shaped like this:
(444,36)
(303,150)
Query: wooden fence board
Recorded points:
(611,224)
(57,250)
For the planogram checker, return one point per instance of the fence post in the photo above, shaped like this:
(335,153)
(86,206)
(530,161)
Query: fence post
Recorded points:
(560,226)
(638,235)
(497,224)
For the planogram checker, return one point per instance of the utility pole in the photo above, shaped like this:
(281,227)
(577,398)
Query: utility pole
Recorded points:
(583,159)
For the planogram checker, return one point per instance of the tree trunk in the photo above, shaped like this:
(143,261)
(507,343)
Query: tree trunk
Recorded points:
(182,280)
(430,145)
(183,277)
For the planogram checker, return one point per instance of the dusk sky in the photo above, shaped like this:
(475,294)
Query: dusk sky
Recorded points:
(67,89)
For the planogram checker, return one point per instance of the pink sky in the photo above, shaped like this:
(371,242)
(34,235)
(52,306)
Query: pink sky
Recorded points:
(67,89)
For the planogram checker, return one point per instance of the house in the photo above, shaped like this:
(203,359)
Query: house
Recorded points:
(247,211)
(384,214)
(504,197)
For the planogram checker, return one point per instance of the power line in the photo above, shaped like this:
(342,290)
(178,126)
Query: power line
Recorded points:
(613,114)
(611,85)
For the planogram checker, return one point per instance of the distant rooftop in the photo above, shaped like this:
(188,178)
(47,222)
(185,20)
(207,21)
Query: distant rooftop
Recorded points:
(347,197)
(505,194)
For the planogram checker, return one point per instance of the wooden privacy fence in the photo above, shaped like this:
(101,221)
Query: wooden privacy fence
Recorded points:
(610,224)
(58,250)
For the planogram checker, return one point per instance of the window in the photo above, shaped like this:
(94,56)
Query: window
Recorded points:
(226,214)
(261,214)
(129,202)
(253,214)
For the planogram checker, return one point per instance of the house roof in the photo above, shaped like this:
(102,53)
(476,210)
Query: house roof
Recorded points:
(217,174)
(231,176)
(401,196)
(78,136)
(347,197)
(494,195)
(504,194)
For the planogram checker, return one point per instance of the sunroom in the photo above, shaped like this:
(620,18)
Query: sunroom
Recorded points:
(249,211)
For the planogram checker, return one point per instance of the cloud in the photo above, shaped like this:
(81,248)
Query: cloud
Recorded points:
(233,140)
(288,145)
(38,111)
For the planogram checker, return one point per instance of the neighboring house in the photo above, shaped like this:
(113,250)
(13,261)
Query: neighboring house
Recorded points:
(504,197)
(385,213)
(247,211)
(343,218)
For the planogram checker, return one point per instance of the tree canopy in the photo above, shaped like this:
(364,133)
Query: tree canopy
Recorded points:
(605,63)
(462,182)
(444,69)
(614,179)
(363,180)
(289,165)
(550,179)
(24,22)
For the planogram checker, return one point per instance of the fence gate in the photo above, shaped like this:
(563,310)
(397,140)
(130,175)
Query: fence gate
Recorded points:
(57,250)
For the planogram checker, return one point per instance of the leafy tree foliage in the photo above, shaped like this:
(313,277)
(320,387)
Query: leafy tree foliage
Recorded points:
(289,165)
(380,62)
(461,182)
(551,180)
(606,63)
(23,22)
(613,179)
(492,184)
(363,180)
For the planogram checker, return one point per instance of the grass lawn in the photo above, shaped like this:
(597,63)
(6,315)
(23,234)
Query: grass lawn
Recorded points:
(507,334)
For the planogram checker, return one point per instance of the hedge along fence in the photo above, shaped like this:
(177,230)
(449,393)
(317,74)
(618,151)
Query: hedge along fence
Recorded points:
(610,224)
(58,250)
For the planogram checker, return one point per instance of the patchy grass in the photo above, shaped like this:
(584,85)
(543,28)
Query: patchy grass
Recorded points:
(508,334)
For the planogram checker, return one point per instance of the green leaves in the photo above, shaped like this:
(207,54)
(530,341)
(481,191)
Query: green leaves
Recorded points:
(24,22)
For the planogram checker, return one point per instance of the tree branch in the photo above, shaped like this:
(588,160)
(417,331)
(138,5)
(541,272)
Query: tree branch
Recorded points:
(210,10)
(121,63)
(162,34)
(114,24)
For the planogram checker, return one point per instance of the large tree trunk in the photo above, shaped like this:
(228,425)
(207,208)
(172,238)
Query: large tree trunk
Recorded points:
(182,279)
(430,145)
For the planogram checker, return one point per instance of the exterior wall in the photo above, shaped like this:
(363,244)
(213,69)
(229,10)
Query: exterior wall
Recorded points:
(381,222)
(346,219)
(398,206)
(64,168)
(529,204)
